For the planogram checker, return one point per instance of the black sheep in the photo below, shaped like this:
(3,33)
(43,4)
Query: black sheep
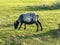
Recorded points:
(27,18)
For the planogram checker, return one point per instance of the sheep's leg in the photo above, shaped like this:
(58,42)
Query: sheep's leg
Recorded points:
(37,26)
(24,26)
(20,26)
(40,25)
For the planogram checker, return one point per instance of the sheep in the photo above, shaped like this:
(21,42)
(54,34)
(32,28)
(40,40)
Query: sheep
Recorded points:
(27,18)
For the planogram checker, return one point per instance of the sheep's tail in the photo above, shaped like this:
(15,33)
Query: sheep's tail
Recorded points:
(37,17)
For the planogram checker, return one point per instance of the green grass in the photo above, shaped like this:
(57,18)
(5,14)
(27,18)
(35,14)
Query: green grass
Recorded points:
(50,18)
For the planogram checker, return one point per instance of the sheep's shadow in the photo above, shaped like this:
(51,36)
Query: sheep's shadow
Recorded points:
(52,33)
(37,7)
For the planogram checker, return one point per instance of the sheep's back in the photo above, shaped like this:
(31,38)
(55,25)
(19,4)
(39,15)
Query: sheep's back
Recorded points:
(29,17)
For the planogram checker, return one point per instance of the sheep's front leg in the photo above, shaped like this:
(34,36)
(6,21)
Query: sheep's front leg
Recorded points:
(24,26)
(37,26)
(20,26)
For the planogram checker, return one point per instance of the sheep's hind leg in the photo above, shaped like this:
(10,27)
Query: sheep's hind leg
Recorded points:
(40,25)
(20,26)
(37,26)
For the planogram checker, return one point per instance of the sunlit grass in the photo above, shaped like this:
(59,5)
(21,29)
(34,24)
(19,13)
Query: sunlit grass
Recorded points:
(10,10)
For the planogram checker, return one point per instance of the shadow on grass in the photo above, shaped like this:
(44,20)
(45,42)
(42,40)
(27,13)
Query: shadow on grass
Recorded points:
(6,25)
(37,7)
(44,36)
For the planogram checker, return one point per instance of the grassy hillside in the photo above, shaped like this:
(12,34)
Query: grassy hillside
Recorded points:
(49,17)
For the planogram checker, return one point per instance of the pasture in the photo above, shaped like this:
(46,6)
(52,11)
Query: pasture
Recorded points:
(49,16)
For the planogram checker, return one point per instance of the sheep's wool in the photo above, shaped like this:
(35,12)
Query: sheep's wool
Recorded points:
(27,18)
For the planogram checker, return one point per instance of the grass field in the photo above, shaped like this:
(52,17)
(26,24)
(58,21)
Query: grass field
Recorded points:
(49,17)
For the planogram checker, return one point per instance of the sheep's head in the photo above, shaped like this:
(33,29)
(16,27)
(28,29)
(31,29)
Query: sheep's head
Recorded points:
(16,23)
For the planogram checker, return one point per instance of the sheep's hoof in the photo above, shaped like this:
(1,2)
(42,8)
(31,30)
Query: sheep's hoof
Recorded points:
(18,29)
(24,28)
(41,30)
(36,30)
